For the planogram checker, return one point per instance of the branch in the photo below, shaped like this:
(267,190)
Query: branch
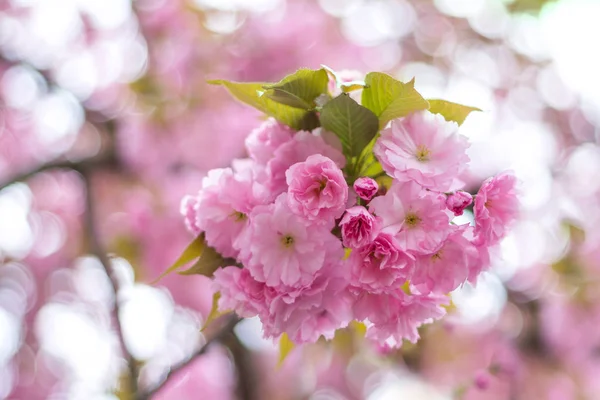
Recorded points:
(97,250)
(247,388)
(80,166)
(225,331)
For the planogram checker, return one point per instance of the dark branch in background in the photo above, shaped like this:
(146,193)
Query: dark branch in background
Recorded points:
(97,250)
(242,359)
(220,336)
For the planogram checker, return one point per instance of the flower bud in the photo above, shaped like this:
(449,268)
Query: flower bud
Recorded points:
(365,188)
(458,201)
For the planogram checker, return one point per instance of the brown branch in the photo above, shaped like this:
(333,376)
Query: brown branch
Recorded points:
(97,250)
(221,335)
(246,372)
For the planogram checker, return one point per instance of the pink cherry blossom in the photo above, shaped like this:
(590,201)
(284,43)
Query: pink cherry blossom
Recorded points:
(449,266)
(418,217)
(240,292)
(395,316)
(222,207)
(317,310)
(366,188)
(358,227)
(264,140)
(303,145)
(458,201)
(496,208)
(282,248)
(189,209)
(425,148)
(317,189)
(381,265)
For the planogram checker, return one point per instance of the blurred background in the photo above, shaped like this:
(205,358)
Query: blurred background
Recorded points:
(106,122)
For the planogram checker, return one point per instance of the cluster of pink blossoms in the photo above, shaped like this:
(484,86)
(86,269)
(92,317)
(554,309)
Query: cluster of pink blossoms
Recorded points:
(287,214)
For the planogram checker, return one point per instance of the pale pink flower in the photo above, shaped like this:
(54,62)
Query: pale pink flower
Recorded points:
(317,189)
(366,188)
(458,201)
(496,208)
(264,140)
(222,209)
(425,148)
(380,265)
(392,317)
(418,217)
(358,227)
(449,266)
(241,293)
(282,248)
(303,145)
(188,209)
(317,310)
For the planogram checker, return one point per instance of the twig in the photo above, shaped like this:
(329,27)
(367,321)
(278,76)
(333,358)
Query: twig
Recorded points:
(97,250)
(226,330)
(246,373)
(80,166)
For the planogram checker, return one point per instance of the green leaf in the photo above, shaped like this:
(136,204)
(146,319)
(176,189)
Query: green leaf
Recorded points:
(191,252)
(389,98)
(352,123)
(351,86)
(214,311)
(285,347)
(253,94)
(210,260)
(451,111)
(300,89)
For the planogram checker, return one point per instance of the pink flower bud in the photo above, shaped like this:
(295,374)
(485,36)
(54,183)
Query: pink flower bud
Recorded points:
(366,188)
(358,227)
(458,201)
(482,380)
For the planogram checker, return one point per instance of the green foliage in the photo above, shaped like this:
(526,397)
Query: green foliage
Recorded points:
(253,94)
(352,123)
(290,101)
(388,98)
(191,252)
(299,89)
(451,111)
(285,347)
(214,311)
(208,260)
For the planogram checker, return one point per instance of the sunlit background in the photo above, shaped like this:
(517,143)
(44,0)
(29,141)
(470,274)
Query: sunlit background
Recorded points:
(85,78)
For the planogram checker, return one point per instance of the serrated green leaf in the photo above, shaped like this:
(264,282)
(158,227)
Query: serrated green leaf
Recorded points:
(214,311)
(285,347)
(300,89)
(352,123)
(451,111)
(210,260)
(253,94)
(388,98)
(191,252)
(348,87)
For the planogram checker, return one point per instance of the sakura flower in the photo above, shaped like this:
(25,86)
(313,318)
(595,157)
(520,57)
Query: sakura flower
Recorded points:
(381,265)
(303,145)
(496,208)
(458,201)
(449,266)
(366,188)
(425,148)
(188,209)
(318,310)
(240,292)
(358,227)
(282,248)
(317,189)
(264,140)
(392,317)
(417,216)
(221,208)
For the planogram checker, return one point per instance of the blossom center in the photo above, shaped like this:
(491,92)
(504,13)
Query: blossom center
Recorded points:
(437,256)
(412,220)
(238,216)
(287,240)
(422,153)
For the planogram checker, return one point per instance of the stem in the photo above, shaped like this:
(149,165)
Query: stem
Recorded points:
(219,336)
(97,250)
